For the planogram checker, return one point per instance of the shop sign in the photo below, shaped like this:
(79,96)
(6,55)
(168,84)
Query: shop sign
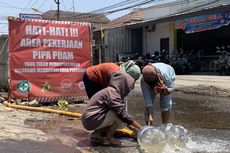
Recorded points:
(204,22)
(26,16)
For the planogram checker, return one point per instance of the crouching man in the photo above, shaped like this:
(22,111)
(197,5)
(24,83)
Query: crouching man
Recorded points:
(106,110)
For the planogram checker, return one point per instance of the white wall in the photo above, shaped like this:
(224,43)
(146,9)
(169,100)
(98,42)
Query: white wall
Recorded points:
(151,14)
(162,30)
(168,7)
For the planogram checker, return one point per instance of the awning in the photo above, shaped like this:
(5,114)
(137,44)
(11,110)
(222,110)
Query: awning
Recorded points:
(212,8)
(204,22)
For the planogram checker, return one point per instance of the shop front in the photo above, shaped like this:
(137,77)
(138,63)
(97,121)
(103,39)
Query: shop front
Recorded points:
(204,41)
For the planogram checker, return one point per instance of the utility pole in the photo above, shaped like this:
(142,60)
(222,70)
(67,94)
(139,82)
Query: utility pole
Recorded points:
(58,9)
(73,6)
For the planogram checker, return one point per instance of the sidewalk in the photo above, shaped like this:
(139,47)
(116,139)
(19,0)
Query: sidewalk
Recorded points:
(222,82)
(189,82)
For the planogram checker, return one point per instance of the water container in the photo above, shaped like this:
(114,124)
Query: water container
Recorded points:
(151,139)
(176,135)
(179,136)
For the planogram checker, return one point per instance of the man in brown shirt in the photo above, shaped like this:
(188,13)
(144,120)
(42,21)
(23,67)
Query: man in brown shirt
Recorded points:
(106,110)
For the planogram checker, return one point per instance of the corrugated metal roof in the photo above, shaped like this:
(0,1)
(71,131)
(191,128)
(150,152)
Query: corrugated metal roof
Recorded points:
(201,8)
(210,6)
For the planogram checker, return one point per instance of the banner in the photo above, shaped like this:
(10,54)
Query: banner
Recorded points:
(48,58)
(204,22)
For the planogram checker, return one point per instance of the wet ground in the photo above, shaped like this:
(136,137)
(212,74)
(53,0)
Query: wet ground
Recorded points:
(207,118)
(203,110)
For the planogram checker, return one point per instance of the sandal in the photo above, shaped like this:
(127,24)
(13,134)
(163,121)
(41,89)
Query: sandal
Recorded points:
(96,141)
(113,143)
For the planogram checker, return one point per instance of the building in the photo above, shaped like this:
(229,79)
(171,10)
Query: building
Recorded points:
(96,19)
(185,27)
(119,40)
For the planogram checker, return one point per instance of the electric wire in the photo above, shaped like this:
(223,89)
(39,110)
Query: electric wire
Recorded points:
(164,5)
(43,3)
(83,15)
(183,2)
(31,6)
(26,6)
(97,11)
(9,5)
(139,4)
(127,2)
(64,6)
(19,8)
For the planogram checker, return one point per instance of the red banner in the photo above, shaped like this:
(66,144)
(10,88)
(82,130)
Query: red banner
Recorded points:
(48,58)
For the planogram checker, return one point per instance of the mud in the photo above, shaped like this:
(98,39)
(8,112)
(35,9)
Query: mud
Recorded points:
(203,110)
(53,146)
(205,116)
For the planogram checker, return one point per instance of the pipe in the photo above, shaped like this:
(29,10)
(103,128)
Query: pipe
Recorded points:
(46,110)
(124,131)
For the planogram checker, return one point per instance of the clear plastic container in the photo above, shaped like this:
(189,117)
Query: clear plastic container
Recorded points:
(176,135)
(151,139)
(179,136)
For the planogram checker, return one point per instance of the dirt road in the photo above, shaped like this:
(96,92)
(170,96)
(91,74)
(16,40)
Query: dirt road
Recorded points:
(34,132)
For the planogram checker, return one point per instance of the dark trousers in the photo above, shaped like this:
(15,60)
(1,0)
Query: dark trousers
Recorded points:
(90,87)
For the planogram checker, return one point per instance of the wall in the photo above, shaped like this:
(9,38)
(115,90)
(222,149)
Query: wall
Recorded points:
(169,7)
(4,73)
(155,13)
(117,40)
(162,30)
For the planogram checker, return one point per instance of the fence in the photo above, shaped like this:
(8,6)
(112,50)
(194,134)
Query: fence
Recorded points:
(4,64)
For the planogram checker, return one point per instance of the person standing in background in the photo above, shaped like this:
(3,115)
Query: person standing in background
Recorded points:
(157,78)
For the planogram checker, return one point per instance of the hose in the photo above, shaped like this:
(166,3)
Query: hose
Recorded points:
(46,110)
(121,132)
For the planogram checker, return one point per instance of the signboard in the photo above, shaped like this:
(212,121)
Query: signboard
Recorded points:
(48,58)
(204,22)
(30,16)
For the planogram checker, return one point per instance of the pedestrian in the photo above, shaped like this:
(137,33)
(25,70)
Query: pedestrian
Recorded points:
(157,78)
(97,77)
(106,110)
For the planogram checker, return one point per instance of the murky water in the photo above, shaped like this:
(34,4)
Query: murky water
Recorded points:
(28,146)
(207,119)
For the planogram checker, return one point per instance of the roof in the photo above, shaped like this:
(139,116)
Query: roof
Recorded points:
(188,12)
(133,17)
(209,6)
(76,16)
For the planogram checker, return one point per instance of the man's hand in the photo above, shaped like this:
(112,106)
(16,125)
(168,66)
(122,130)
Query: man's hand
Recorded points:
(161,89)
(158,89)
(134,129)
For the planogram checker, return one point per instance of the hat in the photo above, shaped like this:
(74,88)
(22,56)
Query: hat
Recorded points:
(132,69)
(149,73)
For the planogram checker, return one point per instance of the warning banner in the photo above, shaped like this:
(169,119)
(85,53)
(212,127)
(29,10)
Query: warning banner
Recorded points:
(48,58)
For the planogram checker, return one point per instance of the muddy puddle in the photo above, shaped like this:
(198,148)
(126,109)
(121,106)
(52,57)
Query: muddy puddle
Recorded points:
(207,119)
(54,146)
